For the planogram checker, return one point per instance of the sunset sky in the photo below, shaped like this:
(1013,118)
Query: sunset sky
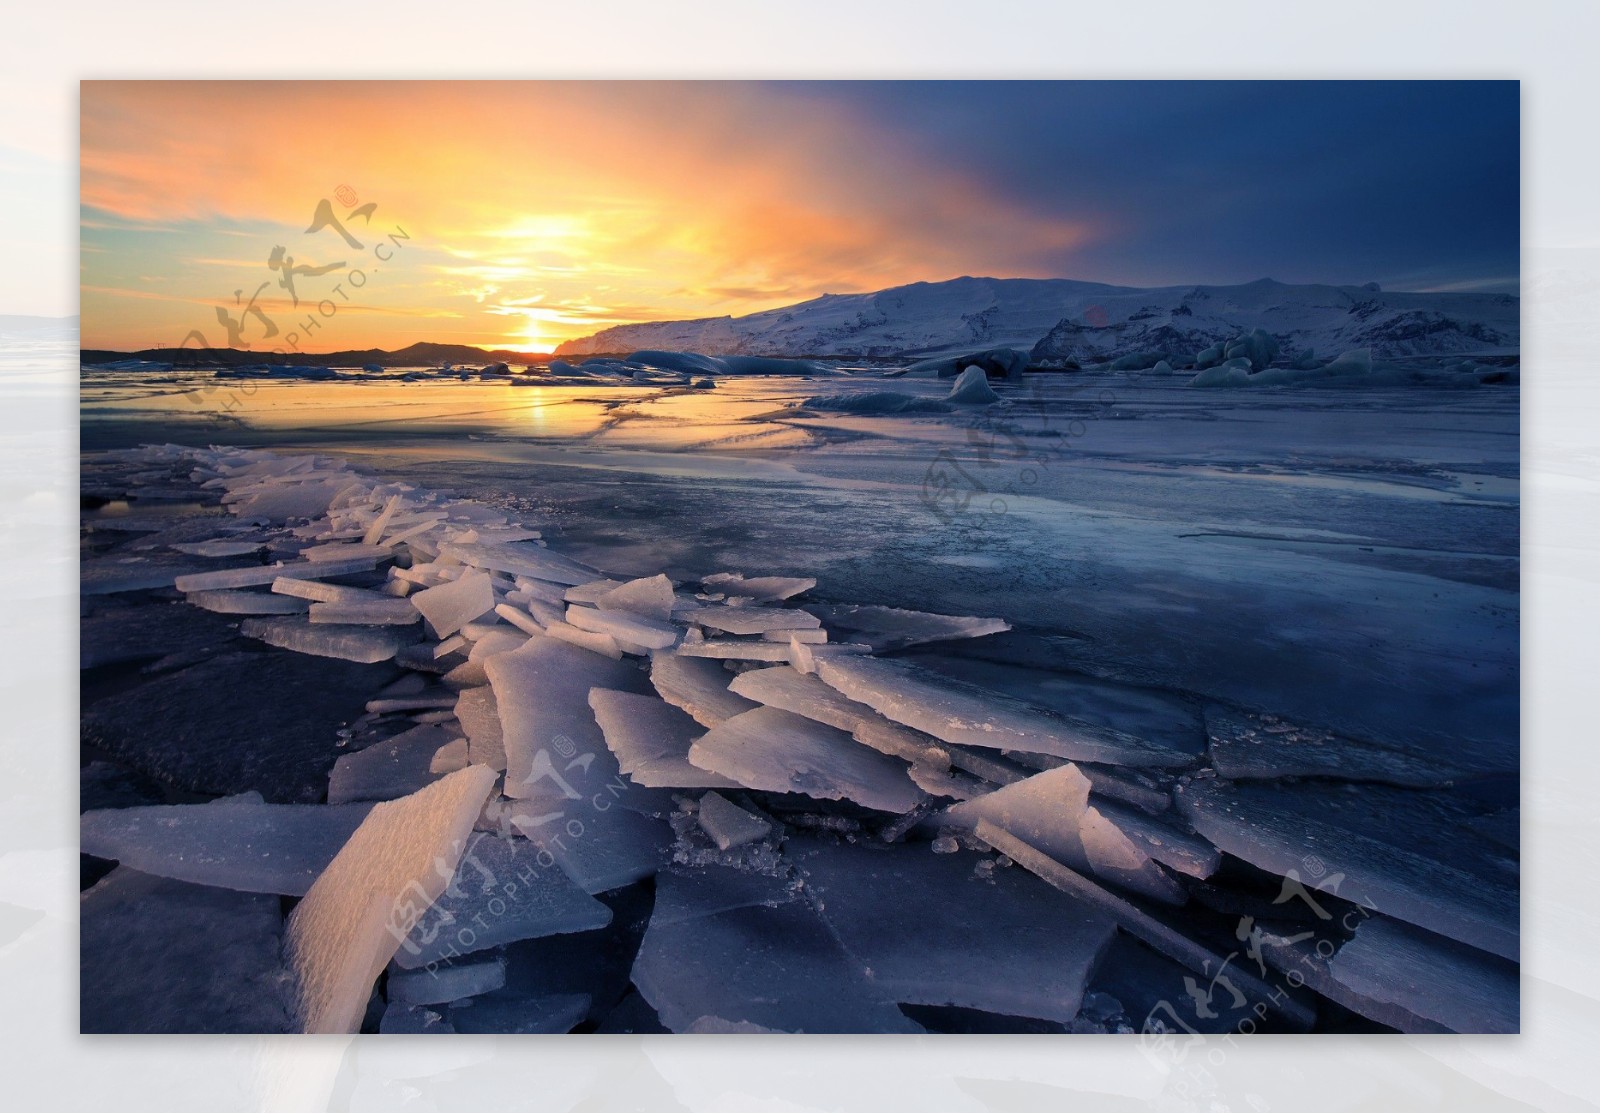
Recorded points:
(520,215)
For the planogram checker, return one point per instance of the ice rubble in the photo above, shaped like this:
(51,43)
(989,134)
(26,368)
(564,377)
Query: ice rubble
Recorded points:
(785,784)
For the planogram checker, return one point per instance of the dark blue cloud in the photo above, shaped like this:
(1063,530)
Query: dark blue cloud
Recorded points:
(1409,183)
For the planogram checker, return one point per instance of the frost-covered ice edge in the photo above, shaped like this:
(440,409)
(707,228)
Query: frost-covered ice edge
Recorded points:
(838,839)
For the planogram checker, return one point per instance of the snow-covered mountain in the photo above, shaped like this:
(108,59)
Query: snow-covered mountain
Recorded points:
(1066,319)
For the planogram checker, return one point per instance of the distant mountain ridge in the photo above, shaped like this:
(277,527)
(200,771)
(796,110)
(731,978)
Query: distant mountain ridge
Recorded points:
(421,354)
(1065,319)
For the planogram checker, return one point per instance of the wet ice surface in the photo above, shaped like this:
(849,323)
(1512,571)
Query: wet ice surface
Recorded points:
(1224,592)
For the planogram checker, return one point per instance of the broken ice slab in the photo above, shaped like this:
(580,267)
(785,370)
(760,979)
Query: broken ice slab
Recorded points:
(480,719)
(323,592)
(399,1018)
(810,637)
(958,712)
(595,843)
(727,824)
(1051,811)
(1251,746)
(649,597)
(396,767)
(589,640)
(360,644)
(347,928)
(265,574)
(504,890)
(761,589)
(590,592)
(451,757)
(447,982)
(748,949)
(1411,854)
(520,560)
(1161,838)
(377,613)
(785,687)
(228,601)
(625,627)
(650,739)
(755,620)
(1141,712)
(1135,921)
(542,694)
(277,503)
(552,1013)
(803,656)
(729,649)
(697,685)
(780,752)
(344,551)
(220,547)
(894,628)
(518,618)
(932,931)
(156,955)
(236,843)
(455,603)
(1409,979)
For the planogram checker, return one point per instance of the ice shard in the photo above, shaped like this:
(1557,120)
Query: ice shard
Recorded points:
(650,739)
(455,603)
(351,922)
(396,767)
(1407,853)
(749,950)
(700,686)
(235,843)
(542,693)
(780,752)
(931,930)
(956,712)
(349,643)
(504,890)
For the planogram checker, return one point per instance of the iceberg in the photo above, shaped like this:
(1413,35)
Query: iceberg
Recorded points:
(754,620)
(972,389)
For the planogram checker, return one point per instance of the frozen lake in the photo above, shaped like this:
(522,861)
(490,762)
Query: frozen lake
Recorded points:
(1345,559)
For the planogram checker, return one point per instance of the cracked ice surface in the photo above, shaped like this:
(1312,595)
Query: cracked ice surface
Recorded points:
(1178,611)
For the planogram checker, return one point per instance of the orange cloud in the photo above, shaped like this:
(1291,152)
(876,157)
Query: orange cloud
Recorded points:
(655,199)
